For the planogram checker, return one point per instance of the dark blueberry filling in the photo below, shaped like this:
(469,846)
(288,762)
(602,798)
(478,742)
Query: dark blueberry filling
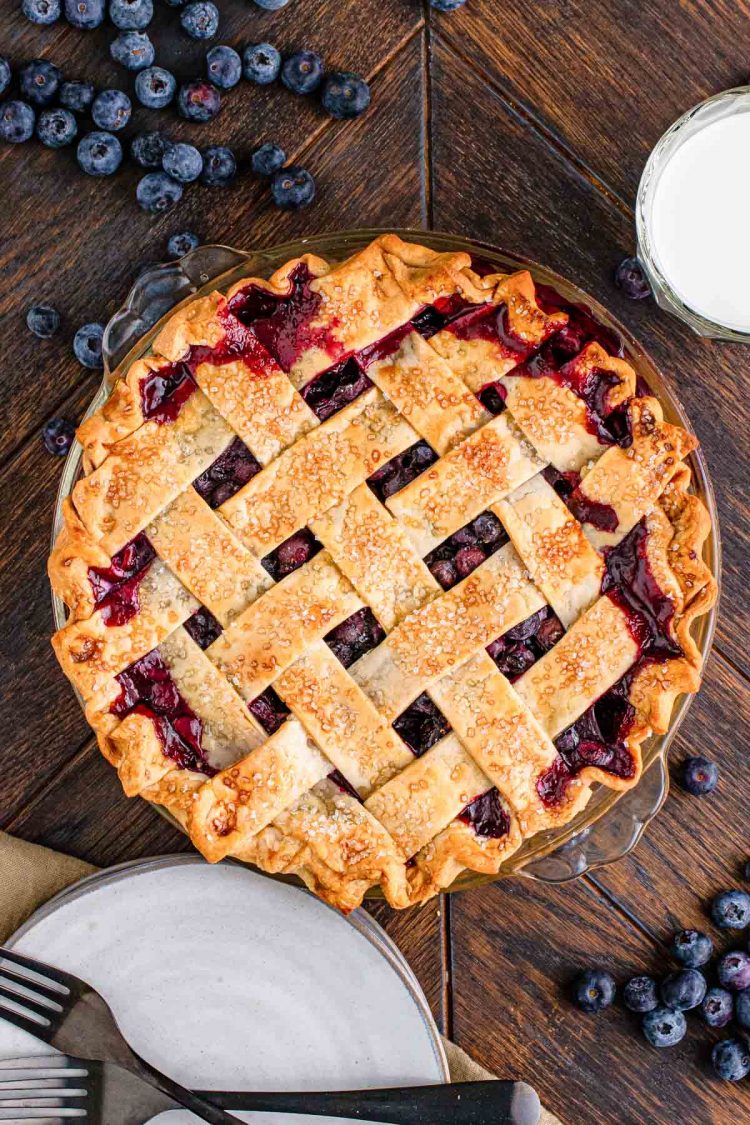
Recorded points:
(338,779)
(293,553)
(203,627)
(115,587)
(518,649)
(164,392)
(466,549)
(487,816)
(630,583)
(269,710)
(354,637)
(227,475)
(330,392)
(421,725)
(582,326)
(401,470)
(446,310)
(148,689)
(601,516)
(492,397)
(564,484)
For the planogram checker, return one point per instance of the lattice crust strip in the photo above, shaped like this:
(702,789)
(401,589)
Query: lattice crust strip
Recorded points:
(304,402)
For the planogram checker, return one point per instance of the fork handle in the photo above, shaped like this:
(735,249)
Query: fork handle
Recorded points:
(457,1103)
(205,1106)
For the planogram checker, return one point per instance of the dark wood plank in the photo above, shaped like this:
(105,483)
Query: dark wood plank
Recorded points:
(607,79)
(501,181)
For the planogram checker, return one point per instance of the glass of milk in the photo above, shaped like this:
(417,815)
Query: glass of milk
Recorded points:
(693,217)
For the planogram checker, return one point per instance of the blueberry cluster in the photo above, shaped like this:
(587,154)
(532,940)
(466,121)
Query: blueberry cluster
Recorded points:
(721,999)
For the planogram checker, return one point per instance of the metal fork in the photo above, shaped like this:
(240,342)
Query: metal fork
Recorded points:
(70,1015)
(67,1089)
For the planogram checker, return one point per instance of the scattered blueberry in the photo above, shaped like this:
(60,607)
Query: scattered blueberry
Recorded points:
(198,100)
(641,994)
(447,5)
(731,1059)
(742,1008)
(219,166)
(84,14)
(43,321)
(271,5)
(182,243)
(664,1027)
(158,192)
(133,50)
(261,63)
(111,110)
(131,15)
(16,122)
(302,72)
(267,159)
(147,149)
(629,277)
(5,74)
(345,95)
(56,127)
(717,1007)
(182,162)
(292,188)
(733,970)
(699,775)
(155,87)
(683,990)
(692,948)
(730,910)
(99,154)
(39,81)
(58,436)
(77,96)
(87,345)
(200,19)
(41,11)
(594,990)
(224,67)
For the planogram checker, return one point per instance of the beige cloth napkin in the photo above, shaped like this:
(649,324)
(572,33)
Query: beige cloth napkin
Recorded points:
(30,875)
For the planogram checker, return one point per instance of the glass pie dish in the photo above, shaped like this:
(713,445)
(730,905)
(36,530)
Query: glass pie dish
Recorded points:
(613,821)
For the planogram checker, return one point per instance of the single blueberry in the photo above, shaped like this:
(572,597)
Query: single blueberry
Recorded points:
(224,67)
(664,1027)
(447,5)
(200,19)
(111,110)
(271,5)
(302,72)
(733,970)
(131,15)
(345,95)
(261,63)
(56,127)
(147,149)
(731,1059)
(594,990)
(198,100)
(267,159)
(155,87)
(84,14)
(683,990)
(16,122)
(77,96)
(158,192)
(742,1008)
(87,345)
(39,81)
(43,321)
(292,188)
(133,50)
(99,154)
(5,74)
(629,277)
(182,243)
(182,162)
(692,948)
(42,11)
(219,166)
(699,775)
(58,436)
(717,1007)
(641,994)
(730,910)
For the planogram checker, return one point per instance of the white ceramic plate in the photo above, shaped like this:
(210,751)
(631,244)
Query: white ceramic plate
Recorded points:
(226,979)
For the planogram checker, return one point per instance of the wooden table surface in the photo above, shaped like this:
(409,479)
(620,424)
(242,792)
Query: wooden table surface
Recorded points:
(526,124)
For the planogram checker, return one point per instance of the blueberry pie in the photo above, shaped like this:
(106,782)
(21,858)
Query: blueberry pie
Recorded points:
(376,568)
